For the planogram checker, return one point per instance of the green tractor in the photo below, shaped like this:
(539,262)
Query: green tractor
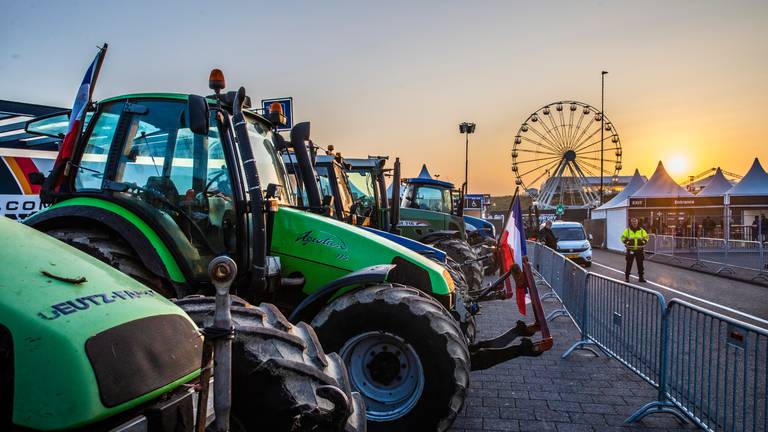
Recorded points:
(428,215)
(437,205)
(85,347)
(161,184)
(332,190)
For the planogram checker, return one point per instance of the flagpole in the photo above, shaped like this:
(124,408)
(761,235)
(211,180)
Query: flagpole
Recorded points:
(517,188)
(509,211)
(102,54)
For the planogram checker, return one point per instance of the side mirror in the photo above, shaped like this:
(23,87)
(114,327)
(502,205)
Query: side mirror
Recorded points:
(36,178)
(279,142)
(273,190)
(197,111)
(590,237)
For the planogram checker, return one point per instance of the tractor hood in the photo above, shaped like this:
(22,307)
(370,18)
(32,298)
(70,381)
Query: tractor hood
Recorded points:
(331,249)
(88,341)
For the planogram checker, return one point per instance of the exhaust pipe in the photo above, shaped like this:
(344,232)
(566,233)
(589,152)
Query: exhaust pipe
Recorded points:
(299,138)
(394,210)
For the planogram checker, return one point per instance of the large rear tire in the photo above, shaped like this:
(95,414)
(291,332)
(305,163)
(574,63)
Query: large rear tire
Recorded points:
(462,253)
(277,368)
(405,354)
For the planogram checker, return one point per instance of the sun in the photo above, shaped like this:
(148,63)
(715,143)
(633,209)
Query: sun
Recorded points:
(677,164)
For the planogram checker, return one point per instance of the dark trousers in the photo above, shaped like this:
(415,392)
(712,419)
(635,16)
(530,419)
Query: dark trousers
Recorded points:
(637,255)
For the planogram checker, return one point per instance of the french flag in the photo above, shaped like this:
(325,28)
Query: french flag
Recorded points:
(512,250)
(77,116)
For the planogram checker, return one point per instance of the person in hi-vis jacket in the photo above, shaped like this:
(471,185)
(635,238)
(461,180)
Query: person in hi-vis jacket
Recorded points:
(634,238)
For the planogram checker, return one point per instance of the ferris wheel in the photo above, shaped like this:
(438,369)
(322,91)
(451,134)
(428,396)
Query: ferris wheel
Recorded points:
(557,150)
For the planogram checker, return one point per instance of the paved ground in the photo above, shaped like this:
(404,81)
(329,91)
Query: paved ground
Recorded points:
(548,393)
(723,295)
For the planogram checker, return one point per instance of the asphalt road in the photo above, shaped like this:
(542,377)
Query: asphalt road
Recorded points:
(743,301)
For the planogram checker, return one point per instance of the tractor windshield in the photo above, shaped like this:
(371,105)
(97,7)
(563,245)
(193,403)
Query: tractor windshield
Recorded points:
(363,188)
(269,164)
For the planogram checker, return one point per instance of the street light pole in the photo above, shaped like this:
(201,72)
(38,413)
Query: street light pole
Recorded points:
(602,130)
(466,128)
(466,162)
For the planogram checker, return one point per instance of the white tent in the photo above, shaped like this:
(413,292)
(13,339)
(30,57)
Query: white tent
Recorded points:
(622,198)
(755,182)
(750,194)
(717,186)
(615,212)
(661,185)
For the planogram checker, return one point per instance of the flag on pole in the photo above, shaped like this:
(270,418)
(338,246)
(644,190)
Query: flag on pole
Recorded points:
(512,250)
(77,116)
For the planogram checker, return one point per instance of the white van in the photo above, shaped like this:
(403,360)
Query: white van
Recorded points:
(572,242)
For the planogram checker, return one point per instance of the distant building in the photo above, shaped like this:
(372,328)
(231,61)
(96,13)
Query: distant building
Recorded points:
(609,185)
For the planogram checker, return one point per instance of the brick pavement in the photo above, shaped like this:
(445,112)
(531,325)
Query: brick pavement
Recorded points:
(548,393)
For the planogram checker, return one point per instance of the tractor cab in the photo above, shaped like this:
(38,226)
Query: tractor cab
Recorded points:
(339,197)
(147,153)
(427,193)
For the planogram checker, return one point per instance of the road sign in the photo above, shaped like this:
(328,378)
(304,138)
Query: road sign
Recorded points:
(560,210)
(287,104)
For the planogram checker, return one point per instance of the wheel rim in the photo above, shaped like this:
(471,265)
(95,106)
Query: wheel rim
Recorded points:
(386,370)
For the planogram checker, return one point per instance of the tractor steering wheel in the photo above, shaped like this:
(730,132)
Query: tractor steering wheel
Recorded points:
(205,192)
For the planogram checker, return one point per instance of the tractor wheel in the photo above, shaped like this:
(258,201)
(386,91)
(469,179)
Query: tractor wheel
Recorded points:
(462,253)
(279,371)
(405,355)
(106,247)
(468,325)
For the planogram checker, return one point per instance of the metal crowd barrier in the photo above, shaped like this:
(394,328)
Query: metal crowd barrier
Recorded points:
(706,367)
(740,259)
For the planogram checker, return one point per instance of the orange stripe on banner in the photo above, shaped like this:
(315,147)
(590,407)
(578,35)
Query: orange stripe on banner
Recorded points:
(21,178)
(28,167)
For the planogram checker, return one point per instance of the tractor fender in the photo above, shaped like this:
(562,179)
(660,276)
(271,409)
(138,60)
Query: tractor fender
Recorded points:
(416,246)
(309,307)
(434,236)
(113,222)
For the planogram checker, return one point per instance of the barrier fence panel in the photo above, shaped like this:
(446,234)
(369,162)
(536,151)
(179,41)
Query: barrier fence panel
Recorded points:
(716,369)
(744,254)
(625,321)
(574,283)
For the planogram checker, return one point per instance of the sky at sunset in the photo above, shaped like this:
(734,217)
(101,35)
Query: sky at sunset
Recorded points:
(687,82)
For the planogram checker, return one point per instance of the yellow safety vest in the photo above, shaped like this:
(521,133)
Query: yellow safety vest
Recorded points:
(634,236)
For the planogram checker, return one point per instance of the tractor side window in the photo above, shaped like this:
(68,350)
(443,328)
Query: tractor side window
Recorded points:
(269,164)
(432,198)
(324,182)
(90,171)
